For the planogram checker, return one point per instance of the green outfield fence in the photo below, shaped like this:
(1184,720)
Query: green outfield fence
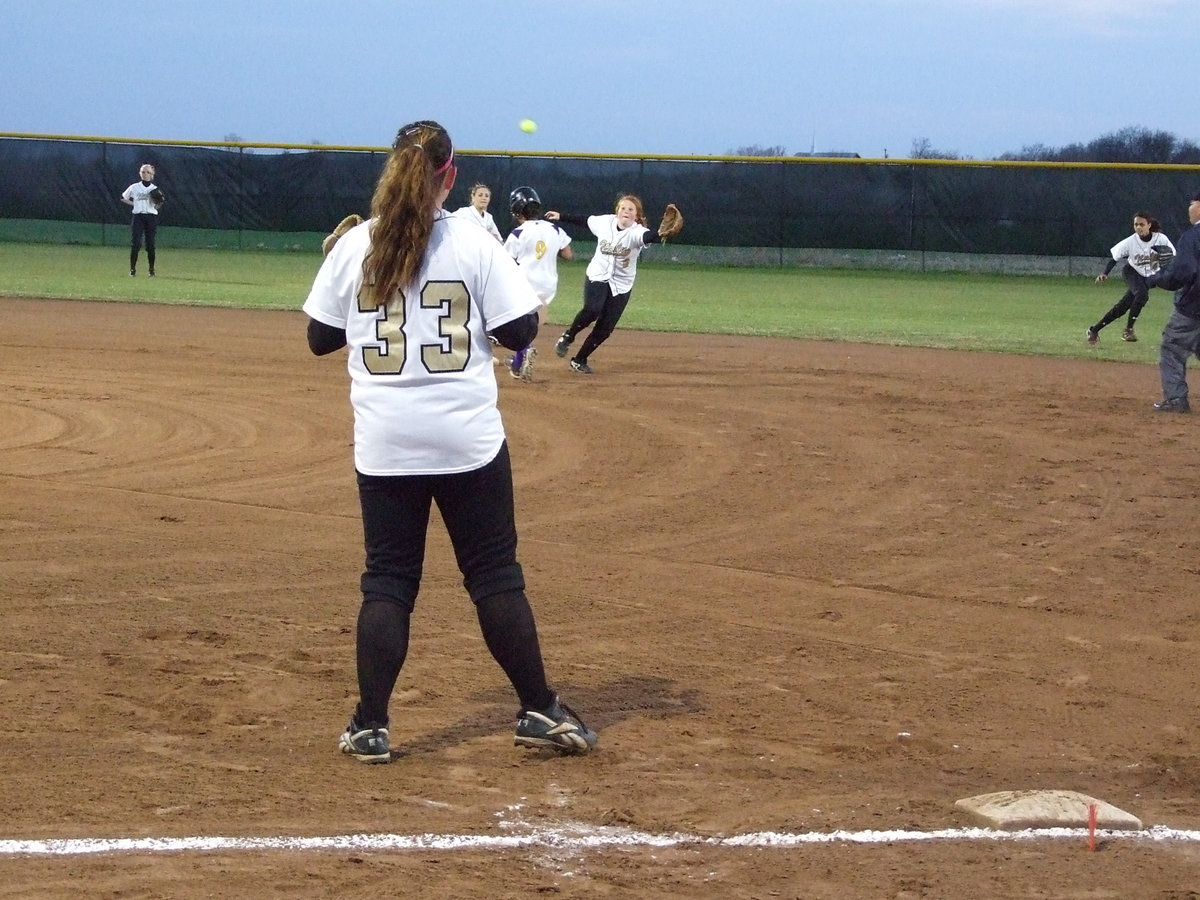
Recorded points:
(1021,217)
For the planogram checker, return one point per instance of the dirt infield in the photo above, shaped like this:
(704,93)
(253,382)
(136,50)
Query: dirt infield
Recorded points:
(799,588)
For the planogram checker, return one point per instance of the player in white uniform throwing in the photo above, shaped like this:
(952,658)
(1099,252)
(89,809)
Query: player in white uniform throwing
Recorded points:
(536,245)
(1143,252)
(477,211)
(608,285)
(413,293)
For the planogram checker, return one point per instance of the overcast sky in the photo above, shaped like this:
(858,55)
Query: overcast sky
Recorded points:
(690,77)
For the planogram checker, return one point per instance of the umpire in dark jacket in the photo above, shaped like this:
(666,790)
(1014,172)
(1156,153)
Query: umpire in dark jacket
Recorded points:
(1181,335)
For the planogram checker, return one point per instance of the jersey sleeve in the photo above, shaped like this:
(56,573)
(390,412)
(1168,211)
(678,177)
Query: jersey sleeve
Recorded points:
(1121,251)
(338,280)
(505,293)
(512,243)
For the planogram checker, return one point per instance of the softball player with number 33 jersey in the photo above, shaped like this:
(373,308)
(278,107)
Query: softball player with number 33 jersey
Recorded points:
(413,292)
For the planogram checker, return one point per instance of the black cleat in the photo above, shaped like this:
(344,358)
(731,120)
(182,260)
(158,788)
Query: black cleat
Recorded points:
(554,728)
(369,745)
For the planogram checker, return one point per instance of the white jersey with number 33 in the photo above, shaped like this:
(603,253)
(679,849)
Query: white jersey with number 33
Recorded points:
(421,378)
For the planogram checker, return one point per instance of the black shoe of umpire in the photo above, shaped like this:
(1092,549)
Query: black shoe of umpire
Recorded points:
(1174,405)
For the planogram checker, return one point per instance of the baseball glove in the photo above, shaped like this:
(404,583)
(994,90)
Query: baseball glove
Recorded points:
(158,198)
(672,222)
(342,227)
(1162,255)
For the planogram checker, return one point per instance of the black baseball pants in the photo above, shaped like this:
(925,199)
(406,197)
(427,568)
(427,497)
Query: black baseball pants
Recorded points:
(477,509)
(1135,297)
(602,306)
(145,225)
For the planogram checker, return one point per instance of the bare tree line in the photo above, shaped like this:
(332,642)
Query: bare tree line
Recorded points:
(1133,144)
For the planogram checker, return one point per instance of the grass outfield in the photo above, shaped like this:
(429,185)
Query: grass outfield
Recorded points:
(1009,314)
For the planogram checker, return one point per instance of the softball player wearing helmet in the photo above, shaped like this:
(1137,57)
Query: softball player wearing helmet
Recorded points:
(536,245)
(1143,253)
(413,293)
(608,283)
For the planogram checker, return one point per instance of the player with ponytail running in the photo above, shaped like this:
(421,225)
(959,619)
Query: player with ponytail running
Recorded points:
(608,284)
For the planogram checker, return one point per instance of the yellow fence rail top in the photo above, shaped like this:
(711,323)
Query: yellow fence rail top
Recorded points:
(551,154)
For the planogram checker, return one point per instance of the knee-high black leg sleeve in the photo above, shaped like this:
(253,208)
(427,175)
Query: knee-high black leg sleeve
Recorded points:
(395,512)
(509,630)
(381,648)
(477,508)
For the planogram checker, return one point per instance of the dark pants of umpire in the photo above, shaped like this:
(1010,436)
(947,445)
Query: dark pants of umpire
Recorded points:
(477,509)
(1136,295)
(1180,339)
(144,227)
(602,306)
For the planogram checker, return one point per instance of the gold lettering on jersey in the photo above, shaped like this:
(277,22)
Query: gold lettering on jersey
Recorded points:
(618,251)
(453,301)
(539,249)
(450,300)
(388,358)
(608,248)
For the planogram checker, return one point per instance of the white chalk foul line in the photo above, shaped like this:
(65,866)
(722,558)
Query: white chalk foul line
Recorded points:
(577,837)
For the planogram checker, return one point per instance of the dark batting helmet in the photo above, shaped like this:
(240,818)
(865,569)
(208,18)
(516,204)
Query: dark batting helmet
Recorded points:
(525,202)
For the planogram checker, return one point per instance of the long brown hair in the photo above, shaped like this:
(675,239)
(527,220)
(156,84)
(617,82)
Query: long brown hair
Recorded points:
(404,206)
